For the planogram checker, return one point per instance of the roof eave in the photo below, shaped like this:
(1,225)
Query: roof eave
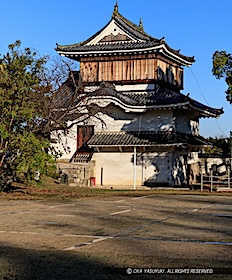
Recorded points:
(159,49)
(135,145)
(136,108)
(185,144)
(207,113)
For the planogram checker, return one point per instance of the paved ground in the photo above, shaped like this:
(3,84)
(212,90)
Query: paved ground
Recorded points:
(99,238)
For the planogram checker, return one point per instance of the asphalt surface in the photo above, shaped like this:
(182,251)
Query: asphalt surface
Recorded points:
(165,236)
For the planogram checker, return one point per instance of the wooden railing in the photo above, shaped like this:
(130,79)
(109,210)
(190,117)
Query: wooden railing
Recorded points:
(212,181)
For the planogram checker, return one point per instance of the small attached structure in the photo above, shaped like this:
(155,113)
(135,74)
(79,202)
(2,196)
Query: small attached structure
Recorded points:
(133,81)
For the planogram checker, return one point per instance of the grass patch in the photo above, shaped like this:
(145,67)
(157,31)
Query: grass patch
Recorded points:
(49,188)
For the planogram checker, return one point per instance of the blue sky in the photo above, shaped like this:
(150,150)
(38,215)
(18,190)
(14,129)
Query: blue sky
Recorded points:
(197,27)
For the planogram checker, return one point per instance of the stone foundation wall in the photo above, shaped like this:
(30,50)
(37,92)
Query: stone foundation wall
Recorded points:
(77,174)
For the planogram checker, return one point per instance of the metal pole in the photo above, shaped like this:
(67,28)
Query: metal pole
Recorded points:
(231,154)
(229,177)
(211,180)
(201,180)
(101,176)
(142,170)
(134,168)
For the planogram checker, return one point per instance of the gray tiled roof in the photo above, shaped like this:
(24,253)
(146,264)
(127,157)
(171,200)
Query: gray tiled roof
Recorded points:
(82,157)
(144,138)
(132,28)
(161,96)
(143,41)
(111,47)
(129,27)
(65,95)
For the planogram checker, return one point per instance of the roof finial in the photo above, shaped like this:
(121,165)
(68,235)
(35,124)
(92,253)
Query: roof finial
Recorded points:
(162,40)
(141,24)
(115,9)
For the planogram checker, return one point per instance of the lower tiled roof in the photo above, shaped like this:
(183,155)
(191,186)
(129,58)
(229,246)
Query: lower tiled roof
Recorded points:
(155,99)
(82,157)
(159,97)
(145,138)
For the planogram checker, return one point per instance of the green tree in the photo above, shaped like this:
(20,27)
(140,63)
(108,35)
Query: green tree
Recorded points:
(222,68)
(220,145)
(22,146)
(39,98)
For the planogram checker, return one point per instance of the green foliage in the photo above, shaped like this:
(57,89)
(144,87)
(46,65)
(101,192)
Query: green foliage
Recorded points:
(23,148)
(31,155)
(220,145)
(222,68)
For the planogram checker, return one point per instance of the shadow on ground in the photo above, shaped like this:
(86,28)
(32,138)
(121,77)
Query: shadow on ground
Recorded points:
(23,264)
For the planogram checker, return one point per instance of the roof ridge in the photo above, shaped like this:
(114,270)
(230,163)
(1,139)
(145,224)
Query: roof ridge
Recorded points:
(139,28)
(133,29)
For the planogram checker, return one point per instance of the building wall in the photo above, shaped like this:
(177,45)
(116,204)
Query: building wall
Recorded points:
(184,121)
(179,168)
(153,168)
(118,168)
(131,68)
(66,144)
(158,168)
(118,120)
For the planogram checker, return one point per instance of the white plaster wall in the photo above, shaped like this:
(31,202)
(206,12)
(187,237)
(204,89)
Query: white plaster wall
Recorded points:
(163,167)
(151,121)
(192,158)
(66,144)
(138,87)
(118,120)
(114,121)
(112,28)
(221,163)
(118,168)
(184,122)
(158,168)
(179,171)
(194,124)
